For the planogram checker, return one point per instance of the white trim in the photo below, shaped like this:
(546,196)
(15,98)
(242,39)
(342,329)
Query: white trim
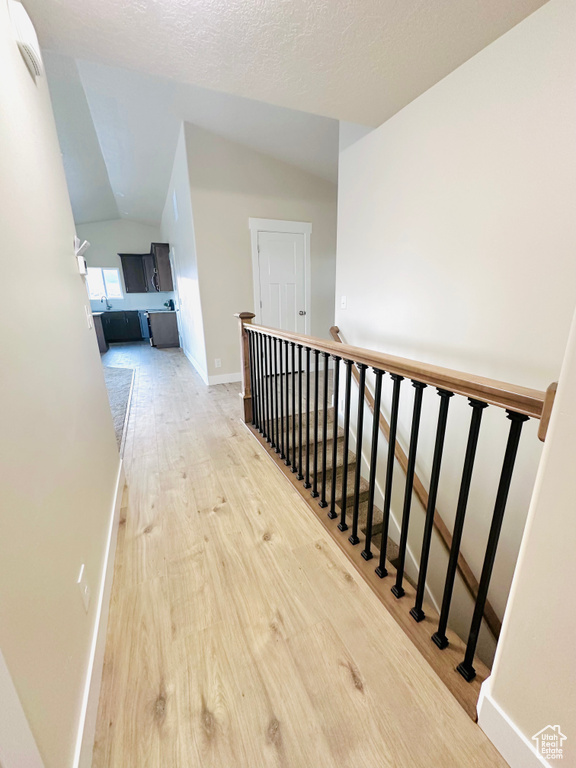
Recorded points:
(278,225)
(90,699)
(514,747)
(17,745)
(225,378)
(200,371)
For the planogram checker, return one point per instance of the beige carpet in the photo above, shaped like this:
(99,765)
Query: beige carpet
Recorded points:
(119,386)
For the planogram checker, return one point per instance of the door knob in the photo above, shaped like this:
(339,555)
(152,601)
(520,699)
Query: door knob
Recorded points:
(301,312)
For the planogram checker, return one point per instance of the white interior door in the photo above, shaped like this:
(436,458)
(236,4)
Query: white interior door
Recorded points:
(282,275)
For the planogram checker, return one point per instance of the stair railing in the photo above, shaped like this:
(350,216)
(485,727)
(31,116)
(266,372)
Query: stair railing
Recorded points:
(490,616)
(273,398)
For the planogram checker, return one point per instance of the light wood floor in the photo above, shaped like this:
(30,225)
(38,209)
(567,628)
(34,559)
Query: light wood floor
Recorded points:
(239,636)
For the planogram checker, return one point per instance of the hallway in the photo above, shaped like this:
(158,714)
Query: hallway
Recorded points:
(239,636)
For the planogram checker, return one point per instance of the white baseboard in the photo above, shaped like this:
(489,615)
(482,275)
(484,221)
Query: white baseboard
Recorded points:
(89,712)
(225,378)
(514,747)
(200,371)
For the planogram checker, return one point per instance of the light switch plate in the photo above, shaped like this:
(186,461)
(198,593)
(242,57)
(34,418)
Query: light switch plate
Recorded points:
(342,302)
(89,318)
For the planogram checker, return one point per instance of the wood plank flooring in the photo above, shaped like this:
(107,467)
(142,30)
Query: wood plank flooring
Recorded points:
(239,635)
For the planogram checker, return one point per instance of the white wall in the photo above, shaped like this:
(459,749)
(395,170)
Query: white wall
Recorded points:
(532,683)
(109,238)
(456,246)
(58,455)
(230,183)
(178,230)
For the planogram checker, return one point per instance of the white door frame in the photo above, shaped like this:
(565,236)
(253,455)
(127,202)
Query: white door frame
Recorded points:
(278,225)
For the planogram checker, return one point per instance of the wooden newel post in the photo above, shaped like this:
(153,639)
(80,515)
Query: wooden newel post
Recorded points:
(245,318)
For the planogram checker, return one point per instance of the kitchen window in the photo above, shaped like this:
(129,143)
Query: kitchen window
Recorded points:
(104,281)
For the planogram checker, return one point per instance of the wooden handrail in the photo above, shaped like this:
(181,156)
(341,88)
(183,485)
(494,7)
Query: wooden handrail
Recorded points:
(493,622)
(529,402)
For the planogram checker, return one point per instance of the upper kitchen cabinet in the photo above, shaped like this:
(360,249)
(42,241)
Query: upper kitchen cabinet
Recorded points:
(148,272)
(161,253)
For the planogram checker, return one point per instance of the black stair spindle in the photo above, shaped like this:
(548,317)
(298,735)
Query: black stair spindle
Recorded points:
(265,433)
(323,503)
(398,589)
(252,378)
(307,477)
(299,476)
(335,395)
(381,570)
(272,379)
(416,612)
(353,538)
(466,668)
(367,552)
(276,403)
(281,398)
(439,637)
(287,391)
(342,525)
(294,467)
(267,390)
(260,383)
(315,460)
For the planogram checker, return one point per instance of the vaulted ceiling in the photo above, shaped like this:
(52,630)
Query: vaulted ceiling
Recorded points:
(354,60)
(118,131)
(275,75)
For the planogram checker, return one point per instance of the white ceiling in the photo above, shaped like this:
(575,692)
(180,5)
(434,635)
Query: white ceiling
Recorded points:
(118,131)
(354,60)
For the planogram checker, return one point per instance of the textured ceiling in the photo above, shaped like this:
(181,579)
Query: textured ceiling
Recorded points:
(118,131)
(354,60)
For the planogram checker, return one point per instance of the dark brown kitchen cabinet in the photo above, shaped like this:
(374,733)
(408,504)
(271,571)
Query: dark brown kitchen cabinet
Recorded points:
(148,272)
(133,270)
(161,253)
(121,326)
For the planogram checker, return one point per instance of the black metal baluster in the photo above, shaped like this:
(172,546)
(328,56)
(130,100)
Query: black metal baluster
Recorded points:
(353,538)
(398,589)
(272,379)
(323,503)
(293,348)
(307,478)
(367,552)
(252,378)
(276,404)
(381,569)
(466,668)
(260,384)
(315,462)
(299,476)
(281,398)
(267,389)
(342,525)
(335,395)
(439,637)
(417,613)
(287,389)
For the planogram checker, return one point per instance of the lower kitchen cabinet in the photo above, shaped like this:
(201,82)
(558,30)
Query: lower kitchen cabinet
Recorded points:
(121,326)
(163,329)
